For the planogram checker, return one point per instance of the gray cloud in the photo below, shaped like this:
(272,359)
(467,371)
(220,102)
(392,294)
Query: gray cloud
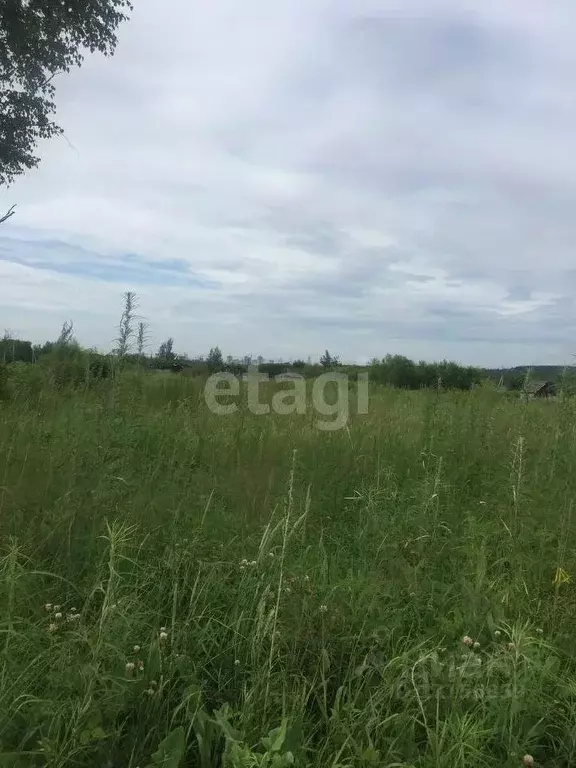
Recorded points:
(279,179)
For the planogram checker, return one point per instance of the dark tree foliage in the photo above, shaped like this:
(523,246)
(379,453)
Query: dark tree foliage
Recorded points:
(272,369)
(38,40)
(166,351)
(15,351)
(400,371)
(215,360)
(329,361)
(99,367)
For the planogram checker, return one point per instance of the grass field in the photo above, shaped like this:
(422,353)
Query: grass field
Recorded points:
(184,589)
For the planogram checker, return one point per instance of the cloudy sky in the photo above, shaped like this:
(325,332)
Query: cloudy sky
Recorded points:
(280,177)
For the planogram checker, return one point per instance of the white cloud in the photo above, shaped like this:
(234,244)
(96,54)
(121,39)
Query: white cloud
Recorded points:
(281,178)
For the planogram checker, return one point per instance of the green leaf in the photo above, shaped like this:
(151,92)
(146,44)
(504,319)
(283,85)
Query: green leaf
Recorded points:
(171,750)
(283,761)
(293,738)
(221,717)
(371,756)
(276,738)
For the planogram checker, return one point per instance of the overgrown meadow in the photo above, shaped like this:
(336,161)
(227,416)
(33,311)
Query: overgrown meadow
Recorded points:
(180,588)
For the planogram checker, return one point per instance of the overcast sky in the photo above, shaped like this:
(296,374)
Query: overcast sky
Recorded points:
(280,177)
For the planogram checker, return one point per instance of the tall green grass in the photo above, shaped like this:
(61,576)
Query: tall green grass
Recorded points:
(252,591)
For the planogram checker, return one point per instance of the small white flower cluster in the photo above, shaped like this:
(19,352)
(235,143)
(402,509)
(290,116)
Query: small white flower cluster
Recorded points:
(131,666)
(498,635)
(138,664)
(470,643)
(57,615)
(152,690)
(163,634)
(247,564)
(74,615)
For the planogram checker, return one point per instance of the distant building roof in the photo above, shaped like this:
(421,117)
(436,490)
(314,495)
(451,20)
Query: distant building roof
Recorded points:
(534,387)
(289,376)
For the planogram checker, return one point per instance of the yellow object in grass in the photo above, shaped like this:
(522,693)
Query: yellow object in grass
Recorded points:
(560,577)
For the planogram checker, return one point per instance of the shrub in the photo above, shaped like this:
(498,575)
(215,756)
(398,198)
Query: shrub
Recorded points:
(76,370)
(25,380)
(4,389)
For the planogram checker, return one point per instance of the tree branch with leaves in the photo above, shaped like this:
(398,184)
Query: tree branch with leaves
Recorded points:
(38,40)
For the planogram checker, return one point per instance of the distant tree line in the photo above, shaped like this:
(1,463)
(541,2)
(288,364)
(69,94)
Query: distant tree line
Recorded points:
(400,371)
(392,370)
(65,353)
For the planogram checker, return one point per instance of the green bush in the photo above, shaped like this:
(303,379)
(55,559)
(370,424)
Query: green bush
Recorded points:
(25,380)
(4,389)
(75,370)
